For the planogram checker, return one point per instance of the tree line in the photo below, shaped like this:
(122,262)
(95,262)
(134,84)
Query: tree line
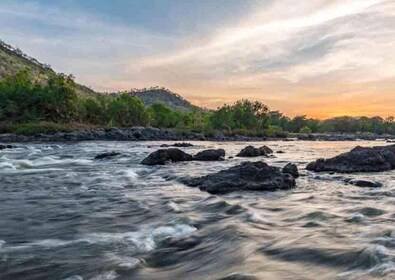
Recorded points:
(55,100)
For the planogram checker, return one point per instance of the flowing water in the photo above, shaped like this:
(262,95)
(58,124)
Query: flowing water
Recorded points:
(64,215)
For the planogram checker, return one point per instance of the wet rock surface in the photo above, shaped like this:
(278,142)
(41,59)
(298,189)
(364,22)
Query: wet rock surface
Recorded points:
(107,155)
(251,151)
(178,145)
(359,159)
(291,169)
(210,155)
(160,157)
(248,176)
(364,183)
(3,147)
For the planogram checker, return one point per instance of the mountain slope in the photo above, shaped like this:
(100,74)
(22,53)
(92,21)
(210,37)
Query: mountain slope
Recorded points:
(13,60)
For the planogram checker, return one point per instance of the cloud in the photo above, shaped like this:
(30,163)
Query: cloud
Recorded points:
(296,58)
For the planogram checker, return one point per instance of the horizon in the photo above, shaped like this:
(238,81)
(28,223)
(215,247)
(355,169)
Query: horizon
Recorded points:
(322,59)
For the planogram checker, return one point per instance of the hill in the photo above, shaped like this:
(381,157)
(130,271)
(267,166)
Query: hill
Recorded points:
(168,98)
(13,60)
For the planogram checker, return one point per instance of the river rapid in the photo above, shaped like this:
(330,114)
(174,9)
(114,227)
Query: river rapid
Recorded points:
(64,215)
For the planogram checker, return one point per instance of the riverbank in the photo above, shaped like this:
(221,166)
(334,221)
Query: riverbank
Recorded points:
(156,134)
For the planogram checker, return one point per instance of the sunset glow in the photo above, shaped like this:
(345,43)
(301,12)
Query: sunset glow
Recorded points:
(319,58)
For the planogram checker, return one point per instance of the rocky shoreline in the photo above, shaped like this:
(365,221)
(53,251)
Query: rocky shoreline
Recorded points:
(156,134)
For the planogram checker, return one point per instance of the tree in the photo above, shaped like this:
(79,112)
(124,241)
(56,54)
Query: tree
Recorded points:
(127,110)
(305,130)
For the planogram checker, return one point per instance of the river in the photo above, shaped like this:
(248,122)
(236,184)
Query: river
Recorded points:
(64,215)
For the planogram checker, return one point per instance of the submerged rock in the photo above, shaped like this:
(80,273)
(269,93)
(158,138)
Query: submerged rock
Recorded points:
(210,155)
(364,183)
(359,159)
(251,151)
(160,157)
(178,145)
(3,147)
(291,169)
(107,155)
(183,144)
(248,176)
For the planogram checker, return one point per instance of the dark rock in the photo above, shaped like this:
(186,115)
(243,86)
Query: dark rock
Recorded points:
(3,147)
(364,183)
(219,136)
(107,155)
(249,176)
(178,145)
(251,151)
(291,169)
(182,145)
(210,155)
(359,159)
(280,152)
(160,157)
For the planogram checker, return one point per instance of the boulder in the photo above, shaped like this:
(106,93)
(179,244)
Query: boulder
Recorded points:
(248,176)
(364,183)
(251,151)
(210,155)
(160,157)
(291,169)
(107,155)
(359,159)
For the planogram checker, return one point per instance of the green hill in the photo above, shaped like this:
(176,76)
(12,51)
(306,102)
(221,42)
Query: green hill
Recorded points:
(13,60)
(168,98)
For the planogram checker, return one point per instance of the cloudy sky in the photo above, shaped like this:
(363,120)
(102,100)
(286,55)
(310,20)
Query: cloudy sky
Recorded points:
(322,58)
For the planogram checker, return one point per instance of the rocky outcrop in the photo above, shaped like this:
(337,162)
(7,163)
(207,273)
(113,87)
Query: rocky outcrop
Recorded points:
(210,155)
(251,151)
(359,159)
(248,176)
(291,169)
(107,155)
(160,157)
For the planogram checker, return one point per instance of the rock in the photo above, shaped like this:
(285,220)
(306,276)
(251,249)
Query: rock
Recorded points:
(3,147)
(291,169)
(178,145)
(251,151)
(359,159)
(364,183)
(280,152)
(210,155)
(219,136)
(160,157)
(107,155)
(182,145)
(249,176)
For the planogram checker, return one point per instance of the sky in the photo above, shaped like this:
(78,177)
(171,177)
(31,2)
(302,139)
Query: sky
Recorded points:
(320,58)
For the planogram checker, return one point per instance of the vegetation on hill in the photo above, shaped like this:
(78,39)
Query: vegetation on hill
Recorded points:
(28,105)
(153,95)
(13,60)
(33,98)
